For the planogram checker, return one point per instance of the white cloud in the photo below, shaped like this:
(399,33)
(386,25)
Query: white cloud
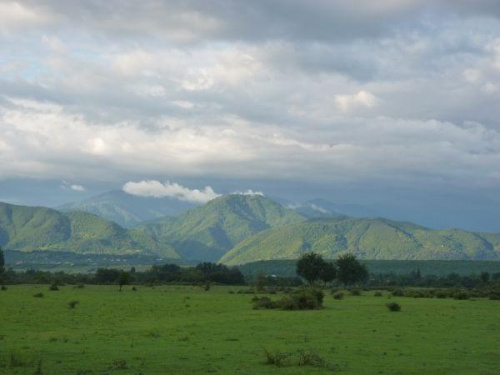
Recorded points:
(361,99)
(156,189)
(15,15)
(318,208)
(249,192)
(75,187)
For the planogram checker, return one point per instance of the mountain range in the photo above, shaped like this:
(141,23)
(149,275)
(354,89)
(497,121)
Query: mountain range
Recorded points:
(128,210)
(233,229)
(39,228)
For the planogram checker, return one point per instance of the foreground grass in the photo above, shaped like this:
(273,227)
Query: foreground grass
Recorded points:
(185,330)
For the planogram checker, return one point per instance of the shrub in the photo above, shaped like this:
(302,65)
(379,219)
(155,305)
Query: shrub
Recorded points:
(355,292)
(38,295)
(263,303)
(378,294)
(398,293)
(441,294)
(494,295)
(53,287)
(278,359)
(393,306)
(3,287)
(338,295)
(119,365)
(460,295)
(80,286)
(304,299)
(416,294)
(134,289)
(311,358)
(72,304)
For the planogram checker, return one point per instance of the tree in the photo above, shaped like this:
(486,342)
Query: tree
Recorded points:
(2,262)
(328,272)
(350,270)
(312,267)
(124,279)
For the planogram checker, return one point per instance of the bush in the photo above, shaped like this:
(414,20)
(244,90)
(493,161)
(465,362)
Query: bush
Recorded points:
(72,304)
(304,299)
(393,306)
(355,292)
(441,294)
(460,295)
(378,294)
(398,293)
(417,294)
(53,287)
(38,295)
(311,358)
(277,358)
(494,296)
(263,303)
(80,286)
(3,287)
(338,295)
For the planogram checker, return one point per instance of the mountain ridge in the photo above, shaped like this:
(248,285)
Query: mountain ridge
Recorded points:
(368,238)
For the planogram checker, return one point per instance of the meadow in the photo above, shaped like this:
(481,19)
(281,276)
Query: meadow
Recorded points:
(186,330)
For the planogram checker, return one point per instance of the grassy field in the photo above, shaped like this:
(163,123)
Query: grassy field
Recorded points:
(185,330)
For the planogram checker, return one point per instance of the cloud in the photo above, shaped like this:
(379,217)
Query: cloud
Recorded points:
(249,192)
(156,189)
(279,91)
(75,187)
(361,99)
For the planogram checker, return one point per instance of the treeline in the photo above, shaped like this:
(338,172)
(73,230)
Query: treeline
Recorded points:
(452,280)
(157,274)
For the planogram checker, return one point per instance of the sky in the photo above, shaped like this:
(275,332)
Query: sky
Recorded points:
(392,105)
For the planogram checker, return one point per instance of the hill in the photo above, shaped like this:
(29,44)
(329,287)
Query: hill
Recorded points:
(209,231)
(128,210)
(37,228)
(368,238)
(320,208)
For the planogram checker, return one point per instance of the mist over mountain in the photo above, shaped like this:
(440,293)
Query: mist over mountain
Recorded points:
(129,210)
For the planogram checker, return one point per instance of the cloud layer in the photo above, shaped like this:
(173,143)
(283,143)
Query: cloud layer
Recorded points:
(401,91)
(156,189)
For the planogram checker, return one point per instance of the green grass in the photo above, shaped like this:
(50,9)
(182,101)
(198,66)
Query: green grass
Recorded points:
(184,330)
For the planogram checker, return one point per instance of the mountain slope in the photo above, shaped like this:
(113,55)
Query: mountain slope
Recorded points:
(209,231)
(367,238)
(320,208)
(128,210)
(38,228)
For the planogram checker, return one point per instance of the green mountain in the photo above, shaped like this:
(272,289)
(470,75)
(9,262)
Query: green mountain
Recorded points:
(367,238)
(209,231)
(126,209)
(38,228)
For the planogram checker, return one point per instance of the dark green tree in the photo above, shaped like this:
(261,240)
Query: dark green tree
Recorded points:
(2,263)
(350,270)
(328,272)
(485,276)
(309,266)
(124,279)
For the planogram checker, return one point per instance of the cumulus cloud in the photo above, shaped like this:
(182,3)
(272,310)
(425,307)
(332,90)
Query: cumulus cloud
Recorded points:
(394,90)
(156,189)
(249,192)
(75,187)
